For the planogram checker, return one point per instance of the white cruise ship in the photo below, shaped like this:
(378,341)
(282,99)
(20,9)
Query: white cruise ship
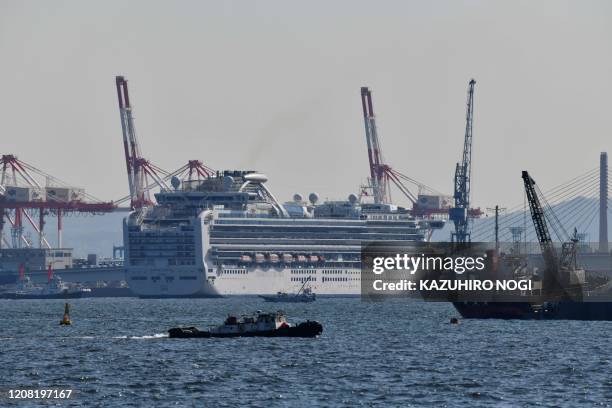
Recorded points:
(228,235)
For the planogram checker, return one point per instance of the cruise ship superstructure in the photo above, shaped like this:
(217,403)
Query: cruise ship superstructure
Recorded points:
(228,235)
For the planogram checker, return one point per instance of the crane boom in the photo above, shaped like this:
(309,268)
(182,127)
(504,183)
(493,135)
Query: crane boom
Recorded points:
(378,175)
(539,221)
(556,279)
(138,168)
(366,120)
(121,86)
(463,170)
(381,173)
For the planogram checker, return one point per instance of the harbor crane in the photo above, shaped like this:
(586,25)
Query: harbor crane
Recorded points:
(379,172)
(138,168)
(143,175)
(382,174)
(27,192)
(459,214)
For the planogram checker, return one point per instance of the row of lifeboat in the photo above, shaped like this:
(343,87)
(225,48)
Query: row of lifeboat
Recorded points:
(284,258)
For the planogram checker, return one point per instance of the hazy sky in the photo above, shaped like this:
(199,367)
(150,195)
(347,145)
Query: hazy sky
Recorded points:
(274,86)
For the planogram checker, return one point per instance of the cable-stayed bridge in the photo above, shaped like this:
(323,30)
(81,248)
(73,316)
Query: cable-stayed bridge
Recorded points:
(579,205)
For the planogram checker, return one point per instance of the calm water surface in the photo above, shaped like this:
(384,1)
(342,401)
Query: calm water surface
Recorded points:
(395,353)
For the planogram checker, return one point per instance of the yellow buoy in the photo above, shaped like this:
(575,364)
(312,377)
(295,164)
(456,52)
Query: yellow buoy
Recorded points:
(66,319)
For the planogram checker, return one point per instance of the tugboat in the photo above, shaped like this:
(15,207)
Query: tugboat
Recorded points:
(259,324)
(304,295)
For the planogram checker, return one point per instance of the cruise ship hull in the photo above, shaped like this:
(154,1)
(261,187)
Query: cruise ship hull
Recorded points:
(247,281)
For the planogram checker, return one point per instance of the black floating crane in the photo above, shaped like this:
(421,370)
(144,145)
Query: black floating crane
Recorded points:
(556,279)
(539,221)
